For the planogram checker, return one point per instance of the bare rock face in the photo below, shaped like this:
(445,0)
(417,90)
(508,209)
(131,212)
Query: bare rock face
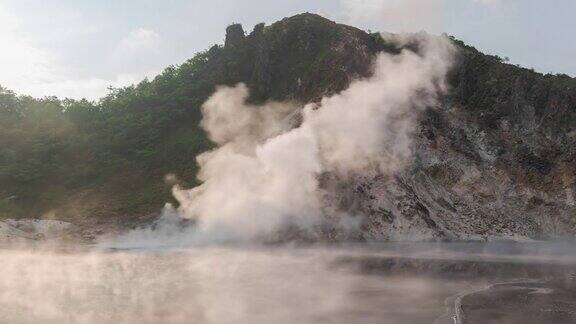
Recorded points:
(25,230)
(496,159)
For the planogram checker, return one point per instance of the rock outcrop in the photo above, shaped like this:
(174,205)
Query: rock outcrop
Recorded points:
(497,159)
(27,230)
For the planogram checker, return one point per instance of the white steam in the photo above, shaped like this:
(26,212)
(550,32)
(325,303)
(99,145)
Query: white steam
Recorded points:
(264,173)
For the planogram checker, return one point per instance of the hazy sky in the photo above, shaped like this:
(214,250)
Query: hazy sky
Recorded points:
(77,48)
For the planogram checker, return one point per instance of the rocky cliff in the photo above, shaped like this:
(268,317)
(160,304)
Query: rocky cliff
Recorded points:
(496,159)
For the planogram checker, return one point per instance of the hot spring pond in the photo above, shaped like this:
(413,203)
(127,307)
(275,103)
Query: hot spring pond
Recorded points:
(365,283)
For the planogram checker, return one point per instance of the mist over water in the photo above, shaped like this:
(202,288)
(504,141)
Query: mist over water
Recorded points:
(209,285)
(241,284)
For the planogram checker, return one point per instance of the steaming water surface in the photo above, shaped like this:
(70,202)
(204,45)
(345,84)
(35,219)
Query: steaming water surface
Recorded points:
(220,285)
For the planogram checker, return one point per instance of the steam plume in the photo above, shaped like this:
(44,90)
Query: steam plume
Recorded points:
(264,173)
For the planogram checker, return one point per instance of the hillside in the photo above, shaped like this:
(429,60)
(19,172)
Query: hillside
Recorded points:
(496,158)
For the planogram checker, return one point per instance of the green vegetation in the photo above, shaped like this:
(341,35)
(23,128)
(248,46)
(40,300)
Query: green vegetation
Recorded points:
(117,149)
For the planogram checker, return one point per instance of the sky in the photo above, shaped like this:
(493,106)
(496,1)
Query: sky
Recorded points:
(79,48)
